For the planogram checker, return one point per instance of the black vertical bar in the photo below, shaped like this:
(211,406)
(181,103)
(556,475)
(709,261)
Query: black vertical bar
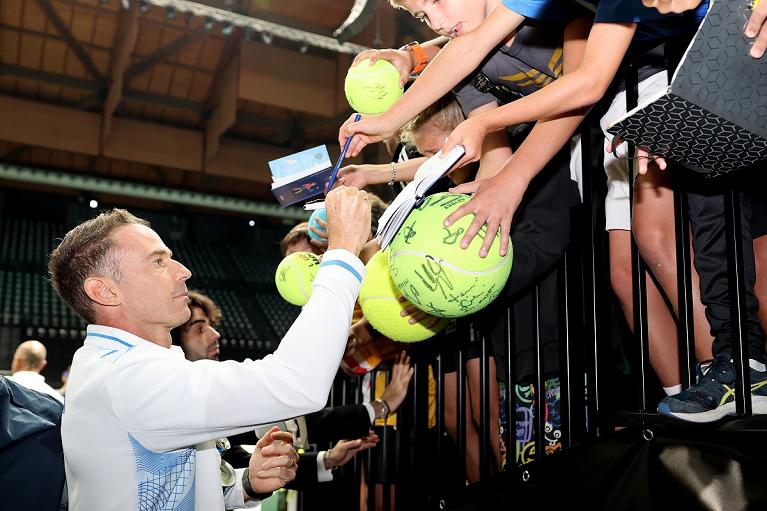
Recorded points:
(439,376)
(577,341)
(540,390)
(686,327)
(381,452)
(592,330)
(385,469)
(565,396)
(356,462)
(511,394)
(460,419)
(738,320)
(638,269)
(484,408)
(400,443)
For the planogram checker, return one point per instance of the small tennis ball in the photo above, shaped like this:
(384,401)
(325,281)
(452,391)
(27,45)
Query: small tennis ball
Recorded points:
(295,275)
(321,214)
(378,299)
(432,270)
(372,89)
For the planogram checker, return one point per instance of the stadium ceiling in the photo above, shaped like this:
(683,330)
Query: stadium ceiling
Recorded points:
(190,96)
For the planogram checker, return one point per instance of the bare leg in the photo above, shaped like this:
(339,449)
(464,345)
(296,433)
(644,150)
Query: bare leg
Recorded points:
(662,332)
(473,375)
(654,231)
(760,289)
(472,435)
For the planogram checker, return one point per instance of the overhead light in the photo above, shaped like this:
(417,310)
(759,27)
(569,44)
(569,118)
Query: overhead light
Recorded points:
(208,24)
(360,15)
(93,203)
(125,4)
(170,13)
(226,29)
(259,25)
(252,223)
(304,48)
(267,38)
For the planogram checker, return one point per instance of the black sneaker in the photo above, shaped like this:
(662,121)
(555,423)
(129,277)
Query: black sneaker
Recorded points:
(713,397)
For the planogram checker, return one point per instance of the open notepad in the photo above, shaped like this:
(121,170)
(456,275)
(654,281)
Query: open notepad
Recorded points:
(713,116)
(412,195)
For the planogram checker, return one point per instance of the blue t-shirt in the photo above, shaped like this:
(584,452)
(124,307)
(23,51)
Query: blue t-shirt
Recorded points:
(652,25)
(545,10)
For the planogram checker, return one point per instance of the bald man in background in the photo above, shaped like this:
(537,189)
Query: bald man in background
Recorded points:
(28,360)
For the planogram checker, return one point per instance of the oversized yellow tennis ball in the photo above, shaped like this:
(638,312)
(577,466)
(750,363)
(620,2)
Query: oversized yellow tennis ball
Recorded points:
(431,269)
(378,299)
(372,89)
(295,275)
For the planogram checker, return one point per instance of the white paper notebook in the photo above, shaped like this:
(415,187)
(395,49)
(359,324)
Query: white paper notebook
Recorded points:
(412,195)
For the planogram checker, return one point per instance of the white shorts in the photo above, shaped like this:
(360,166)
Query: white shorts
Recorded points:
(617,206)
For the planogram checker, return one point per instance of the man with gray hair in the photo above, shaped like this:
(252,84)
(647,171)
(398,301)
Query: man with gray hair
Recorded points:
(141,421)
(28,362)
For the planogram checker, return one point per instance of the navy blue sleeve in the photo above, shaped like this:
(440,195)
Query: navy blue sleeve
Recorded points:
(546,10)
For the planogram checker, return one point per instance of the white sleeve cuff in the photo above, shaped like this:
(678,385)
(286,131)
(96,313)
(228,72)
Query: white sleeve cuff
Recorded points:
(234,496)
(371,411)
(342,262)
(323,474)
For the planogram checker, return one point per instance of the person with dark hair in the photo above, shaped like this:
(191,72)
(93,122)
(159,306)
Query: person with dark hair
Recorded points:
(298,240)
(198,337)
(141,421)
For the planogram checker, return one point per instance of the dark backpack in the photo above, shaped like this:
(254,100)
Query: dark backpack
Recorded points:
(31,458)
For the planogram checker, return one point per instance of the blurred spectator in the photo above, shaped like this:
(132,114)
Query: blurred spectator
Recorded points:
(28,361)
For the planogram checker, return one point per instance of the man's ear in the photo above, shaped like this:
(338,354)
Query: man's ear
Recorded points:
(103,291)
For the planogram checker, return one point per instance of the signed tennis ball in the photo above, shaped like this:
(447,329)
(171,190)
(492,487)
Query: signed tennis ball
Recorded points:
(372,89)
(295,275)
(431,269)
(318,214)
(378,299)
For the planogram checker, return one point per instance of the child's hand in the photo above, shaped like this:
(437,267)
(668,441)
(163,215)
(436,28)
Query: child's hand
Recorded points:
(644,157)
(354,175)
(400,59)
(321,239)
(416,315)
(757,28)
(666,6)
(471,135)
(369,129)
(395,392)
(495,201)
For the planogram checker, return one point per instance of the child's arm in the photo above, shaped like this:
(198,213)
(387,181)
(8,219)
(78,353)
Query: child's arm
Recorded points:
(401,59)
(605,48)
(360,176)
(451,65)
(495,148)
(496,199)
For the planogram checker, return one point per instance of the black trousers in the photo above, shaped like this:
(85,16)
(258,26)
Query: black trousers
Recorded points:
(707,218)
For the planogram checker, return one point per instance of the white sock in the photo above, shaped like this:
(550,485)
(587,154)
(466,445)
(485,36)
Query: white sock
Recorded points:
(757,366)
(673,390)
